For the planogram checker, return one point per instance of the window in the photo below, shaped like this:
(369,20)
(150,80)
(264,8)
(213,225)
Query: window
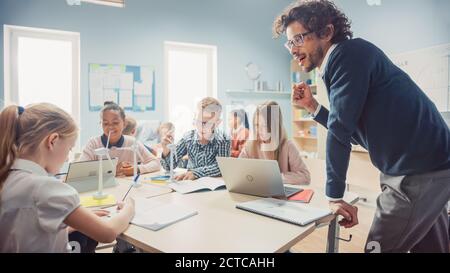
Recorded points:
(191,74)
(42,66)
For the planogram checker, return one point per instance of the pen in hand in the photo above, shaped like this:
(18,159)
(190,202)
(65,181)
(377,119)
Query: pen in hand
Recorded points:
(131,186)
(126,194)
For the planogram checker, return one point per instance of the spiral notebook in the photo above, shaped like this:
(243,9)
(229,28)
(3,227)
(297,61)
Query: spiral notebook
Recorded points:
(202,184)
(155,215)
(294,213)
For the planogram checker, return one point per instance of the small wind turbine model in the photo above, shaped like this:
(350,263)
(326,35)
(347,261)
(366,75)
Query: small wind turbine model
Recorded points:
(135,149)
(173,153)
(101,152)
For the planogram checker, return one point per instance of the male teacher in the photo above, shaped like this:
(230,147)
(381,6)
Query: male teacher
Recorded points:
(376,105)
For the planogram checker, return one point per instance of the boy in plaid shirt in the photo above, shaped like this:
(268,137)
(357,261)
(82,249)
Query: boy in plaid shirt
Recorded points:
(202,145)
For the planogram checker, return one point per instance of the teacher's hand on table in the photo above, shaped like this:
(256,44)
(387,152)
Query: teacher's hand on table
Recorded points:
(349,212)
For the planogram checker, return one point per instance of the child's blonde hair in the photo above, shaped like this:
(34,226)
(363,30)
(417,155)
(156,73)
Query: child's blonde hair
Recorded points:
(168,125)
(210,105)
(130,125)
(24,129)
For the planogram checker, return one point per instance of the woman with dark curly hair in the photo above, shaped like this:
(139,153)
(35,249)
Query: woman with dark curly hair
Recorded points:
(375,104)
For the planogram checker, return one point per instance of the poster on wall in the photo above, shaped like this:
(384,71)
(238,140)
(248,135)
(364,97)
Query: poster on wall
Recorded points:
(132,87)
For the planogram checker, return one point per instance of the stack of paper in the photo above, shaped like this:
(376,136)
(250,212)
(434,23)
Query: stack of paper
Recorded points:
(156,215)
(204,183)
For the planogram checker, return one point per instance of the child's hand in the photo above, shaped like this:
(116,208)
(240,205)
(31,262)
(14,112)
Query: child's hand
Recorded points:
(120,205)
(127,207)
(128,202)
(119,171)
(128,171)
(124,169)
(167,139)
(126,164)
(186,176)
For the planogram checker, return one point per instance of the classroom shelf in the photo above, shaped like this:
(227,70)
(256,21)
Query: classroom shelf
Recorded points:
(301,120)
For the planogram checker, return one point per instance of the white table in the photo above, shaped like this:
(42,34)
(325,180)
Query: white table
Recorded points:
(219,226)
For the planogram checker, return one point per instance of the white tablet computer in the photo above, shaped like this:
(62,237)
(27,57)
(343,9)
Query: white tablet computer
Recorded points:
(83,175)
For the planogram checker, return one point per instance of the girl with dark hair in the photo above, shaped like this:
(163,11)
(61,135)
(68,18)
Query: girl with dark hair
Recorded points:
(113,122)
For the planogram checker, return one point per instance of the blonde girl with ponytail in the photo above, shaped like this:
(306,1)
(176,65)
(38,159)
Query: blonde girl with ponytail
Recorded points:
(36,209)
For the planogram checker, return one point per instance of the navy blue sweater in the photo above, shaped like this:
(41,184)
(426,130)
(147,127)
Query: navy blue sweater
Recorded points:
(375,104)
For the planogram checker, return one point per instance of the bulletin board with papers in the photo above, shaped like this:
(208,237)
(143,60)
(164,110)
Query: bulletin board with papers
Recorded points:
(132,87)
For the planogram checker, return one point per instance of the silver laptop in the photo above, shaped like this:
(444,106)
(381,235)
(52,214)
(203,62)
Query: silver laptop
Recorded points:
(83,175)
(254,177)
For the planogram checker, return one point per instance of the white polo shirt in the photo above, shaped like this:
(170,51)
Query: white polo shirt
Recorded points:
(33,206)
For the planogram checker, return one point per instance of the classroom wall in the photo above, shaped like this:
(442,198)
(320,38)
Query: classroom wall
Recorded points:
(135,36)
(399,26)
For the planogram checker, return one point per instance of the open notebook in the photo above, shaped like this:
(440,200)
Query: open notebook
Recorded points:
(156,215)
(204,183)
(294,213)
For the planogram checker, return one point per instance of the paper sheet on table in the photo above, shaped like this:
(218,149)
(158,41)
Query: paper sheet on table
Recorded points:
(204,183)
(156,215)
(143,191)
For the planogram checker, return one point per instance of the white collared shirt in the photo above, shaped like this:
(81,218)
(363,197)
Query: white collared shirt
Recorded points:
(325,60)
(33,206)
(322,71)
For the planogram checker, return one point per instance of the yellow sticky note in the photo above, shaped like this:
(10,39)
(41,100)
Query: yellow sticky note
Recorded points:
(89,201)
(151,181)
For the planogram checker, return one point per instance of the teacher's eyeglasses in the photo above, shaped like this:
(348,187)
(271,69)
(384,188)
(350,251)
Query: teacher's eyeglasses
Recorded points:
(298,40)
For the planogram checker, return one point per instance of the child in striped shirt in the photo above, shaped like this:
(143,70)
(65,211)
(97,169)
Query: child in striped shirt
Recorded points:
(202,145)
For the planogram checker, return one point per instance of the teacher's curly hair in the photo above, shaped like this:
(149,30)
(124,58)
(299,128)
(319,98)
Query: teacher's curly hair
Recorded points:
(315,16)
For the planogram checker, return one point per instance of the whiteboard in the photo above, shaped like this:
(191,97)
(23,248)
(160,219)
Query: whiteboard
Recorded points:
(429,68)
